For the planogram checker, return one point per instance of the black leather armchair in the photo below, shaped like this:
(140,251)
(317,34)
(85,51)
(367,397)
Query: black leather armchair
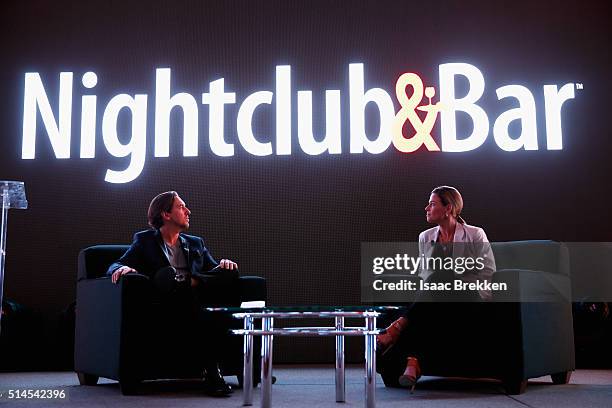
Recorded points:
(123,333)
(505,340)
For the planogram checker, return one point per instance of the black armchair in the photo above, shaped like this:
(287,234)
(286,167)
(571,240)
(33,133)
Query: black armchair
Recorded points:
(505,340)
(123,333)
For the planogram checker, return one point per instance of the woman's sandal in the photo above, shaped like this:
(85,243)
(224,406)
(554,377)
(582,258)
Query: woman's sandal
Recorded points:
(411,375)
(386,340)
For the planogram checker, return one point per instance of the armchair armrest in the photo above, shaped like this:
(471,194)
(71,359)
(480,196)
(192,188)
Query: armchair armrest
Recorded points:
(105,315)
(249,287)
(532,286)
(253,288)
(540,320)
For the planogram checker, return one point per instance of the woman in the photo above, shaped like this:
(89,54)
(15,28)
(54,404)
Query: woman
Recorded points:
(451,238)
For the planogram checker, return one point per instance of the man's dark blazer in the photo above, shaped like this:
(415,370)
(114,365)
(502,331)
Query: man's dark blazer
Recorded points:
(147,256)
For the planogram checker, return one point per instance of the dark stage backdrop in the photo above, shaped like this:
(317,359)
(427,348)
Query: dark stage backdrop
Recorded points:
(297,219)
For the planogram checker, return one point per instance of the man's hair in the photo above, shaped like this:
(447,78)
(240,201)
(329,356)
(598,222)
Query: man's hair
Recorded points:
(161,203)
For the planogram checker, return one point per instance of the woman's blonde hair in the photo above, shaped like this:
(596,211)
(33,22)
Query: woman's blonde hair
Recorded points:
(450,195)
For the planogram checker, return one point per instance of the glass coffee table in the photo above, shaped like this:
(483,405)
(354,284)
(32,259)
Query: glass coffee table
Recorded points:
(338,329)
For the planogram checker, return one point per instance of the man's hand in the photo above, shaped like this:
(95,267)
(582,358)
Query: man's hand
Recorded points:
(119,272)
(227,264)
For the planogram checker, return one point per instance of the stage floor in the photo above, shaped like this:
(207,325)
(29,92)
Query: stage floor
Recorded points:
(313,385)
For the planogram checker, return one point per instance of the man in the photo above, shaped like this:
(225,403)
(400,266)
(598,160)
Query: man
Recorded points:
(184,271)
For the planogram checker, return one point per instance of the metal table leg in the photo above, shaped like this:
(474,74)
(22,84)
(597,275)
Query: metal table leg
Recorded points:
(370,358)
(266,362)
(340,382)
(247,373)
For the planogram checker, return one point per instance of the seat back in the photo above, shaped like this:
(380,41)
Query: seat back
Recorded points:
(95,260)
(535,255)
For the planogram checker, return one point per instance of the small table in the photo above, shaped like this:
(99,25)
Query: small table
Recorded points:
(268,331)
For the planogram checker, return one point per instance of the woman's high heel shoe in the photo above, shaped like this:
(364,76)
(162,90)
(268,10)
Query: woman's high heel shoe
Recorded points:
(385,340)
(411,375)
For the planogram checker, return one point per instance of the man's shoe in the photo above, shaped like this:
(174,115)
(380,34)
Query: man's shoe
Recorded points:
(215,385)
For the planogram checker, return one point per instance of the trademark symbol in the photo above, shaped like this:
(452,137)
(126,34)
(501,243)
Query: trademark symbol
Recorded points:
(579,86)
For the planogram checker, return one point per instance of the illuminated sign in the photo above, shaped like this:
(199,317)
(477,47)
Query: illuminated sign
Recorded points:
(409,91)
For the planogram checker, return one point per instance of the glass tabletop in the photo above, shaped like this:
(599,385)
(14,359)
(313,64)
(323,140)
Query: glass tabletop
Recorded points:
(304,309)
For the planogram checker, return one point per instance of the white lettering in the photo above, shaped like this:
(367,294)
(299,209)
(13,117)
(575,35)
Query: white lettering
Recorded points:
(59,132)
(283,110)
(526,113)
(245,122)
(553,101)
(402,285)
(332,140)
(88,118)
(136,147)
(217,98)
(358,101)
(58,122)
(163,106)
(434,286)
(451,104)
